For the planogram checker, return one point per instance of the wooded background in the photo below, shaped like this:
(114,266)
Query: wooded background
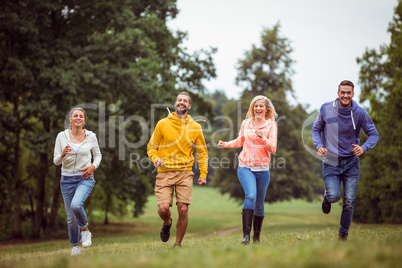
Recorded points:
(121,57)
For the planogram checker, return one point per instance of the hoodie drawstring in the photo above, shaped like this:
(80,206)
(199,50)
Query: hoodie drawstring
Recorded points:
(169,111)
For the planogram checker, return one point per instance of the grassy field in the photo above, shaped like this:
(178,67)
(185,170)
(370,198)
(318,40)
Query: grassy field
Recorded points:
(295,234)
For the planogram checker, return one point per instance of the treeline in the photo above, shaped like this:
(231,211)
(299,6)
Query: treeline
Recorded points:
(115,58)
(121,62)
(379,197)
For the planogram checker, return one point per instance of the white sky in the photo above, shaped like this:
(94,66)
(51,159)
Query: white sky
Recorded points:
(327,36)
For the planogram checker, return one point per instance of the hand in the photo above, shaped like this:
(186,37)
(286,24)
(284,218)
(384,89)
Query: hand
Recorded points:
(158,162)
(259,133)
(357,151)
(88,172)
(322,152)
(221,143)
(66,150)
(202,181)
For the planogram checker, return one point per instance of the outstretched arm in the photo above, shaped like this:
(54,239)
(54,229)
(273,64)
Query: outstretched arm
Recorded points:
(236,143)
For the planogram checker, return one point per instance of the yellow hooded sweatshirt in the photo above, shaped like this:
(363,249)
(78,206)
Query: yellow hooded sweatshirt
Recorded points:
(173,141)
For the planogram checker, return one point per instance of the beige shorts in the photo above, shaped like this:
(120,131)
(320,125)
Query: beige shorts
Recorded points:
(168,182)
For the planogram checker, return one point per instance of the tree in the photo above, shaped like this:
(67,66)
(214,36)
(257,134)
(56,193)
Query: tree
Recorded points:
(266,70)
(380,188)
(115,59)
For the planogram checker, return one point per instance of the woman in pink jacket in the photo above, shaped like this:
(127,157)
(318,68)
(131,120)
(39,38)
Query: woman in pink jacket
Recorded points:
(258,136)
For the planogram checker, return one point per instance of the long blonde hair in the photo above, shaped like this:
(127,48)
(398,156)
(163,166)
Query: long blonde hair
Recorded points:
(270,114)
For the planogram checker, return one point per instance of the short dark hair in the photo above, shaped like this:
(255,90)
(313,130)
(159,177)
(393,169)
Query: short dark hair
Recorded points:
(185,93)
(346,83)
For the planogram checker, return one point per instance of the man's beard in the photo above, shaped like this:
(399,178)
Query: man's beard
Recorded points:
(180,112)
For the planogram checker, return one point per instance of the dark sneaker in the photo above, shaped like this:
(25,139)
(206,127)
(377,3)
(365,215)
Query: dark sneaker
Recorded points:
(165,231)
(325,205)
(342,237)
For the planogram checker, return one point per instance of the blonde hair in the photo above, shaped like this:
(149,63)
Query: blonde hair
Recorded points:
(270,114)
(70,114)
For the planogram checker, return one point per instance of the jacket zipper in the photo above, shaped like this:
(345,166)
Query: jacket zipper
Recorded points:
(75,161)
(255,154)
(76,154)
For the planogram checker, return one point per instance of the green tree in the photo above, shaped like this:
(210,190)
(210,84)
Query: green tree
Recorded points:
(114,58)
(380,188)
(267,70)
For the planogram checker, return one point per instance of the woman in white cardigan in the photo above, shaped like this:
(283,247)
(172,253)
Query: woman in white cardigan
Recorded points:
(74,149)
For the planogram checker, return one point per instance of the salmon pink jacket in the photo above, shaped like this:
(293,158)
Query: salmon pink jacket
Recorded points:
(256,151)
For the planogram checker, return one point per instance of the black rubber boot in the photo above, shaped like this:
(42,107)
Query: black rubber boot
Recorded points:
(247,222)
(257,224)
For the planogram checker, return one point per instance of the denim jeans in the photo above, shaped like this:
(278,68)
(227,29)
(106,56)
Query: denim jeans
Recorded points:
(255,185)
(347,172)
(75,191)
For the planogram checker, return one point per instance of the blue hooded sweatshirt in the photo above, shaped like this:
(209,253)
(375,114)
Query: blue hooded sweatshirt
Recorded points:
(340,128)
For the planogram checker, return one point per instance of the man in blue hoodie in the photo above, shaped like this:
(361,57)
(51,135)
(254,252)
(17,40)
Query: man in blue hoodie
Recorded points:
(336,133)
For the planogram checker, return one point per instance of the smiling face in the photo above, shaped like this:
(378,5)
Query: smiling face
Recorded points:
(182,104)
(77,119)
(260,109)
(345,94)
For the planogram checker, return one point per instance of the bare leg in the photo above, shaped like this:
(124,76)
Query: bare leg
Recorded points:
(182,222)
(164,213)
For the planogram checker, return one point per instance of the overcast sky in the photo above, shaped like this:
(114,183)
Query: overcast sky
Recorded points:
(327,36)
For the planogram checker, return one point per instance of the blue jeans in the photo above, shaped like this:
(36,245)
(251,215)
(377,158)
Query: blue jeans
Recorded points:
(347,171)
(75,191)
(255,185)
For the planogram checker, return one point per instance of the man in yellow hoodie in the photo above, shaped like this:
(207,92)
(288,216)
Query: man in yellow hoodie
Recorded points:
(171,149)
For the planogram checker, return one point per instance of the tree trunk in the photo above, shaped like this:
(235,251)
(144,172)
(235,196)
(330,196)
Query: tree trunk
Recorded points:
(56,199)
(106,221)
(40,185)
(17,230)
(40,196)
(108,204)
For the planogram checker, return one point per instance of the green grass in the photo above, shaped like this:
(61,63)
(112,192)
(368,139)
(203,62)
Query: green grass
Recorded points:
(295,234)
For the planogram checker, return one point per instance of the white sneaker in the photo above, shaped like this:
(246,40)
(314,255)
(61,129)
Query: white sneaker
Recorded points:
(75,251)
(86,238)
